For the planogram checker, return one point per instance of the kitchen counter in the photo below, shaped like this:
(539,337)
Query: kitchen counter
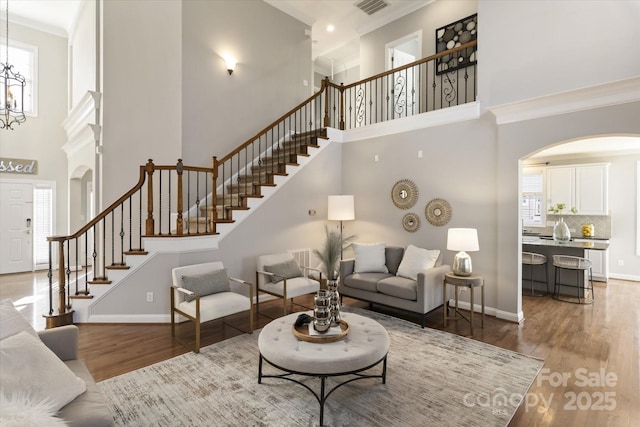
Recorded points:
(578,243)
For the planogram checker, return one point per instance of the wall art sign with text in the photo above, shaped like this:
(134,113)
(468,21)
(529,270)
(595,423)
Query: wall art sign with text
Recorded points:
(22,166)
(454,35)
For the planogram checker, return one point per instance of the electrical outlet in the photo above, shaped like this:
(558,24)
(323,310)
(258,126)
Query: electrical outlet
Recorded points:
(620,263)
(149,296)
(419,154)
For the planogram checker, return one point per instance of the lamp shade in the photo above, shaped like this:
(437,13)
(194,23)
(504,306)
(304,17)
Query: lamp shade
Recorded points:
(462,239)
(341,208)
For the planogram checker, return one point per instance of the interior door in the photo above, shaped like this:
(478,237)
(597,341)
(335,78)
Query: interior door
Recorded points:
(16,211)
(403,84)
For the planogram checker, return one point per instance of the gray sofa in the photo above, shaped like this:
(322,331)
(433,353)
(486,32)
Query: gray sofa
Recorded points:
(417,296)
(88,409)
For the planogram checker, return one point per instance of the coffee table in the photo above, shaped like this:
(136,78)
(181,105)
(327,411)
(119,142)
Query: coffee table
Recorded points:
(366,345)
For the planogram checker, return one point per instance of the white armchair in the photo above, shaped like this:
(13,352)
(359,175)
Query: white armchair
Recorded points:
(281,276)
(202,292)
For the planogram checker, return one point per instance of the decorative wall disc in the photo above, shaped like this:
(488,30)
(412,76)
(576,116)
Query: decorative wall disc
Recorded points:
(411,222)
(404,194)
(438,212)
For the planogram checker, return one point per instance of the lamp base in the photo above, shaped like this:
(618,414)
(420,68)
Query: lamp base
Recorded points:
(462,264)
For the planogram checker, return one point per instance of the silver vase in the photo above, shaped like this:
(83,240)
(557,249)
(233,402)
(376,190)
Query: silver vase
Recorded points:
(322,311)
(332,286)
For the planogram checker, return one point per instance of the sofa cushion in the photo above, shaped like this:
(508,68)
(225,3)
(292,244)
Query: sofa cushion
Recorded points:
(207,283)
(399,287)
(365,281)
(283,270)
(416,260)
(90,408)
(12,321)
(370,258)
(27,365)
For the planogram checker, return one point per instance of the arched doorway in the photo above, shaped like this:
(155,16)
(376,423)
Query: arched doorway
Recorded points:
(617,226)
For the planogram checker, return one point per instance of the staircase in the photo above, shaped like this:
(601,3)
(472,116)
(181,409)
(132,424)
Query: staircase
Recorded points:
(263,173)
(201,205)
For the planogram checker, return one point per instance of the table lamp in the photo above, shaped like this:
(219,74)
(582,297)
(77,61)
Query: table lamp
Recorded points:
(462,239)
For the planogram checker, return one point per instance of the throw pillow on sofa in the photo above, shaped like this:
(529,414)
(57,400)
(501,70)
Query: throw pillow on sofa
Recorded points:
(27,365)
(207,284)
(284,270)
(416,260)
(370,258)
(12,321)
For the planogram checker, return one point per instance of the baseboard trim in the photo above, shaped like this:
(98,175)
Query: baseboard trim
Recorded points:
(489,311)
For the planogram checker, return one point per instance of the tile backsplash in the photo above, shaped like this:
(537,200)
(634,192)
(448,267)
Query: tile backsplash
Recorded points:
(601,223)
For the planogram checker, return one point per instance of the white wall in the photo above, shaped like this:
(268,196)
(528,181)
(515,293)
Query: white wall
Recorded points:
(142,90)
(532,48)
(427,19)
(82,43)
(274,57)
(41,138)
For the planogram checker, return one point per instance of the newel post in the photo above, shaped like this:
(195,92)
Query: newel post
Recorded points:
(179,224)
(150,224)
(63,317)
(341,106)
(325,87)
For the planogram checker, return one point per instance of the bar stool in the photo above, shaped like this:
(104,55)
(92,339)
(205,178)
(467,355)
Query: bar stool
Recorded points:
(532,259)
(579,265)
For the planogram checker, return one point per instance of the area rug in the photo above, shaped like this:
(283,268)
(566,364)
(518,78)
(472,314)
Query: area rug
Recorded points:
(434,378)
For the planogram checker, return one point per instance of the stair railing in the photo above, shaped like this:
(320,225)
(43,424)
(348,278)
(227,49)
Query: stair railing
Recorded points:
(152,207)
(438,81)
(213,193)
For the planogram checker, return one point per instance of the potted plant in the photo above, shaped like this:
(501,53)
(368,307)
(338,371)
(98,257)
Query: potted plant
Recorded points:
(331,252)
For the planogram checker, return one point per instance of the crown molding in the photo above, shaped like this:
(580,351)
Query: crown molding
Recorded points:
(604,95)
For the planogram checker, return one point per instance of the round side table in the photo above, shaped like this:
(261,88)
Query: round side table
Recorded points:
(471,282)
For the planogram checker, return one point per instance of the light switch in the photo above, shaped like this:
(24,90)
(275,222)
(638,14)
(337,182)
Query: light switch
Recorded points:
(376,158)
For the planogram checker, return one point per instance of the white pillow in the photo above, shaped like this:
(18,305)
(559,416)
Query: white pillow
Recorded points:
(416,260)
(370,258)
(12,321)
(28,366)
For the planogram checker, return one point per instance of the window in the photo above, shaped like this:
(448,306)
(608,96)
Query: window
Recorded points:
(532,186)
(42,224)
(24,59)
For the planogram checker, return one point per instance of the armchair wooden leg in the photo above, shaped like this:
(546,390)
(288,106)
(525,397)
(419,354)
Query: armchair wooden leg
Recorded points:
(197,350)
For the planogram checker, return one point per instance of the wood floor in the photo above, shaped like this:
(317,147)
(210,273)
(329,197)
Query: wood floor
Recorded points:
(591,375)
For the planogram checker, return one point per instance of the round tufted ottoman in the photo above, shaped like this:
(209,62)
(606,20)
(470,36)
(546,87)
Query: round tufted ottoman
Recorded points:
(365,346)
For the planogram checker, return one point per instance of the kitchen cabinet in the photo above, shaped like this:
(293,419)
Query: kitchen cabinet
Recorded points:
(600,264)
(585,187)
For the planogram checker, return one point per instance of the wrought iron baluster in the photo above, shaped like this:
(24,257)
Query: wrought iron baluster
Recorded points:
(68,272)
(122,234)
(86,263)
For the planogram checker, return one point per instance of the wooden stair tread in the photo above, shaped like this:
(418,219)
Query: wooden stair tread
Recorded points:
(99,282)
(136,252)
(117,267)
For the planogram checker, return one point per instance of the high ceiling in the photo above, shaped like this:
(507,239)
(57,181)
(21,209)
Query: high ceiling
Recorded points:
(340,47)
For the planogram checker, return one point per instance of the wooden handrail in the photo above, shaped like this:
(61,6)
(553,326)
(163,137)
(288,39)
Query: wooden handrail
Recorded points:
(274,123)
(403,67)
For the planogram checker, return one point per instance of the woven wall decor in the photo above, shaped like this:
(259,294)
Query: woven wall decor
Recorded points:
(411,222)
(438,212)
(404,194)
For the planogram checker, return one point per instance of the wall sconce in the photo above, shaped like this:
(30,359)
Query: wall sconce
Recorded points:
(230,62)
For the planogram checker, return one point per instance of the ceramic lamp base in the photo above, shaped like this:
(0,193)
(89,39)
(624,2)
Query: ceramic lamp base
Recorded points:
(462,264)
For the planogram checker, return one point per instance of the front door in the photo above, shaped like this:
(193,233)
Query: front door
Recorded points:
(16,211)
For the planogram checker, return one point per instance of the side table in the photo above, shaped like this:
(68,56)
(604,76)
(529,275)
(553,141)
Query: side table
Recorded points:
(471,282)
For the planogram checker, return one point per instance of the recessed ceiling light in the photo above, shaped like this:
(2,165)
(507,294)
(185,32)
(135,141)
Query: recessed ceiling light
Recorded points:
(330,28)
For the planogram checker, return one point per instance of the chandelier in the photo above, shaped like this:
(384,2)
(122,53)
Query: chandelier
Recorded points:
(12,86)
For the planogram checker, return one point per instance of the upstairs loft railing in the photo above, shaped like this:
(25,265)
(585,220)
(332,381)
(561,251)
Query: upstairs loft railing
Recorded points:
(419,87)
(184,200)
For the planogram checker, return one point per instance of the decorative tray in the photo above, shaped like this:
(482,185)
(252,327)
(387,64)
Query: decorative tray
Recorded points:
(302,333)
